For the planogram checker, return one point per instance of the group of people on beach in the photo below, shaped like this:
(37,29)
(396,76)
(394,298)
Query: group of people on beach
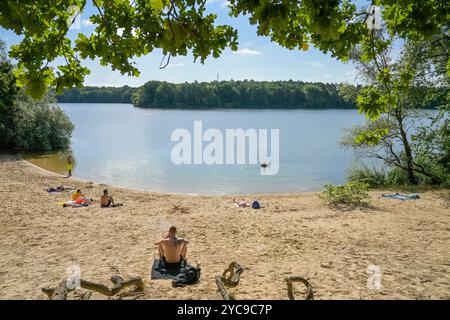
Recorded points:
(79,199)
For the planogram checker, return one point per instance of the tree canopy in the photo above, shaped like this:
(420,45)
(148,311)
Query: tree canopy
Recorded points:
(127,29)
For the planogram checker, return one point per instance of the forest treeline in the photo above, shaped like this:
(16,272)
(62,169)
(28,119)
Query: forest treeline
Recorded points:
(221,94)
(97,95)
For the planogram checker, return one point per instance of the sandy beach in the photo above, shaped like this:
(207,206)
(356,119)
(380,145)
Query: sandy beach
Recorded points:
(294,234)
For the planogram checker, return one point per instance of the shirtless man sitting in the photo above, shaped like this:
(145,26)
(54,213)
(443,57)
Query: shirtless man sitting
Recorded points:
(107,201)
(172,250)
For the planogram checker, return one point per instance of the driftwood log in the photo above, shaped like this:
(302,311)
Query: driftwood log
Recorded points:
(62,290)
(290,281)
(230,278)
(231,275)
(223,291)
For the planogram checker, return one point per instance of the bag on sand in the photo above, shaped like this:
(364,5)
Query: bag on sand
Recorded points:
(256,205)
(189,275)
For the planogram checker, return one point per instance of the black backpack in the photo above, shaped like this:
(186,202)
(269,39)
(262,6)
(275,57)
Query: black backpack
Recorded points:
(256,205)
(188,275)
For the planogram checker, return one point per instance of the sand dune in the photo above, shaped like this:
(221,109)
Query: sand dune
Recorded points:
(295,234)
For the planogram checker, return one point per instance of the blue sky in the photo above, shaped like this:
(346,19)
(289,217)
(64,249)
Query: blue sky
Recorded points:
(257,58)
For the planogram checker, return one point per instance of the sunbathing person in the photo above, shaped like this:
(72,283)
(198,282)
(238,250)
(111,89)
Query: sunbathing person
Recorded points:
(241,204)
(60,188)
(172,250)
(107,201)
(81,201)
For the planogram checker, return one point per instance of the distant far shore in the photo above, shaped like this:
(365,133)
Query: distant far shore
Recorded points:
(221,94)
(186,107)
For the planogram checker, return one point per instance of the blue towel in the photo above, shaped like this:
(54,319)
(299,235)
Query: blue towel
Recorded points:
(402,197)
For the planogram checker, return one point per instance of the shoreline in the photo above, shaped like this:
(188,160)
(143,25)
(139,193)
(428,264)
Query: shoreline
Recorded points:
(74,178)
(293,234)
(164,192)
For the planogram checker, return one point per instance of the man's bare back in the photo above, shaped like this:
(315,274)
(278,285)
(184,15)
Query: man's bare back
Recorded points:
(171,248)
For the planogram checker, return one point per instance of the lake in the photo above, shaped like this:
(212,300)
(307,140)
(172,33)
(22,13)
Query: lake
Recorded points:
(131,147)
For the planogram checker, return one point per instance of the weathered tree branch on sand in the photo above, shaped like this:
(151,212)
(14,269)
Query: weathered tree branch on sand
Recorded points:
(223,291)
(230,278)
(309,291)
(62,290)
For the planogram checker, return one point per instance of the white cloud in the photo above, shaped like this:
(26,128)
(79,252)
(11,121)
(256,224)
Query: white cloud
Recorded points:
(220,3)
(315,64)
(248,52)
(86,22)
(174,65)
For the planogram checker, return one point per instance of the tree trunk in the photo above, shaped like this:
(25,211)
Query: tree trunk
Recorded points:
(408,152)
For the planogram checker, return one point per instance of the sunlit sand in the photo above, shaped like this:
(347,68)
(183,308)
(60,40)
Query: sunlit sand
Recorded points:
(294,234)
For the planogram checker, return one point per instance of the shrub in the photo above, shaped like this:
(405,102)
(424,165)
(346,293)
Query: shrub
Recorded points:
(399,177)
(40,126)
(382,178)
(353,193)
(374,177)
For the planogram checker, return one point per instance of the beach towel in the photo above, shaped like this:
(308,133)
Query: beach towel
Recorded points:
(402,197)
(73,204)
(184,275)
(80,202)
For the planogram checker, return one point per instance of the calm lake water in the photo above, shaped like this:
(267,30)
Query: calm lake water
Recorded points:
(131,147)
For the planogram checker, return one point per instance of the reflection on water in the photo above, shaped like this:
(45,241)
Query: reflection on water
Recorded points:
(56,162)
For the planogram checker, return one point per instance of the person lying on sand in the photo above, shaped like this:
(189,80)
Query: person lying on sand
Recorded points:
(60,188)
(81,201)
(78,200)
(241,204)
(107,201)
(172,250)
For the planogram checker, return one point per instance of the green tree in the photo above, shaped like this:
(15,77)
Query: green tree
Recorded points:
(348,92)
(395,90)
(180,26)
(431,142)
(8,93)
(27,124)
